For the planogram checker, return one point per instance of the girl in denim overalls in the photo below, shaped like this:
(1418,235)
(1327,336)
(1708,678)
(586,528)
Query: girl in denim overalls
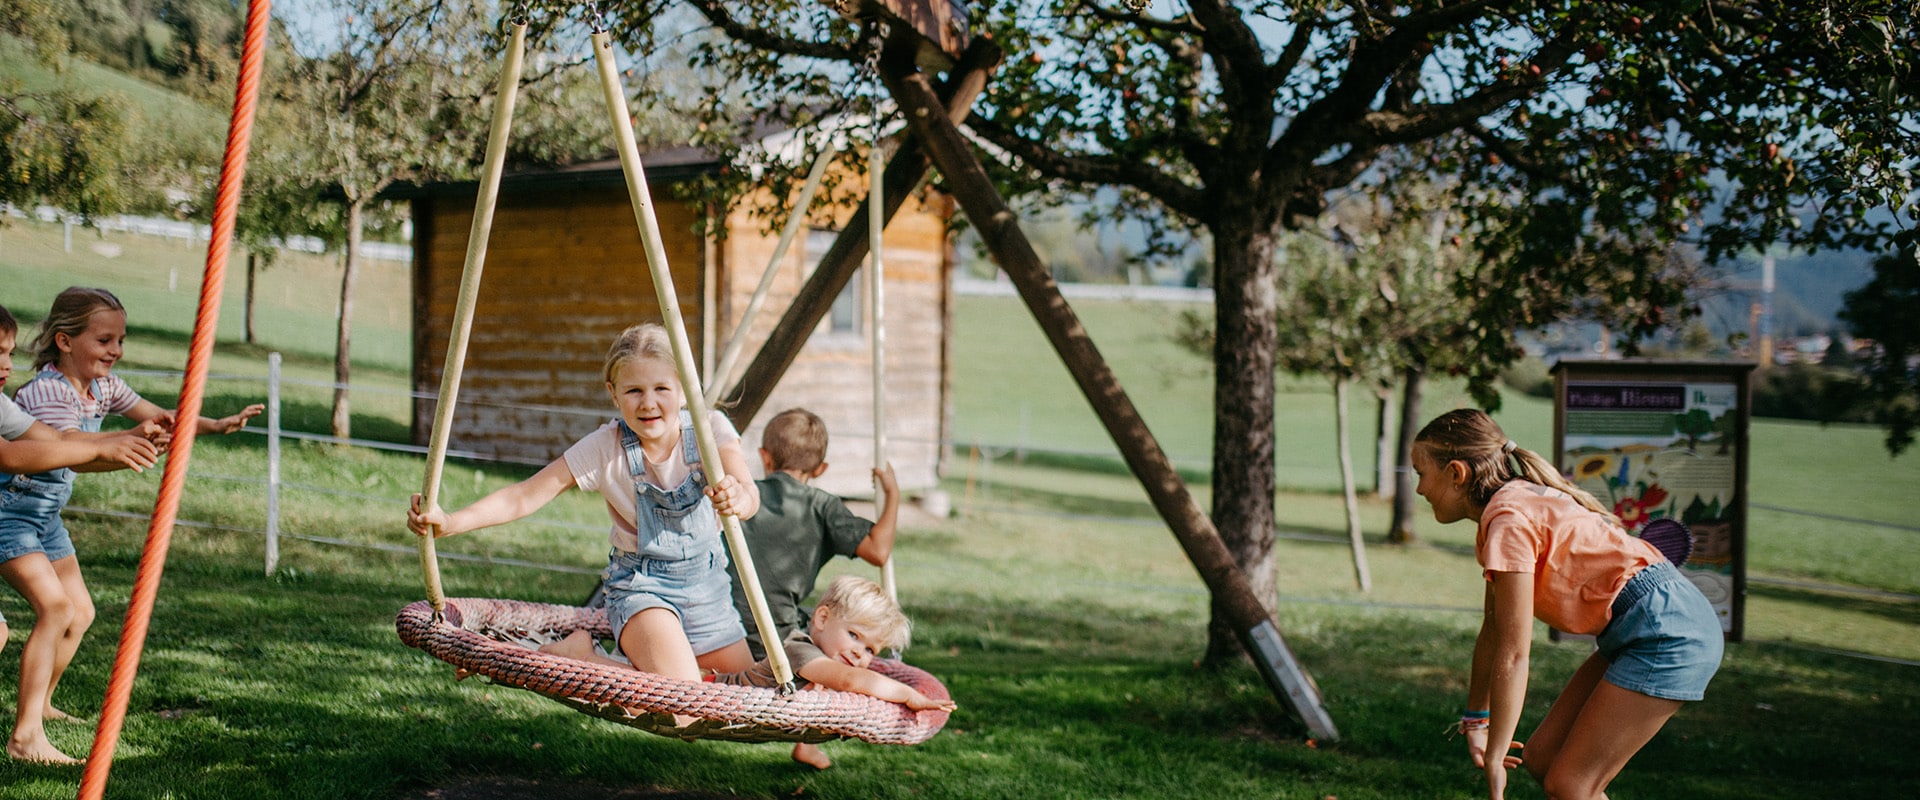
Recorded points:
(669,600)
(74,353)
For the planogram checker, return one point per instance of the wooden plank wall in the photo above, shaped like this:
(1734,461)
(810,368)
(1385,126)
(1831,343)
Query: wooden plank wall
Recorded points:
(832,376)
(565,273)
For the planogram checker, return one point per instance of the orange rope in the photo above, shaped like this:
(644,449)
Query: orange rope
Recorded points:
(153,558)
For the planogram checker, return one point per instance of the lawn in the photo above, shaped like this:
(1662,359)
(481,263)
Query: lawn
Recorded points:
(1060,614)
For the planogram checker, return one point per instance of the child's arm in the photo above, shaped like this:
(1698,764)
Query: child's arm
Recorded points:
(1500,666)
(878,546)
(502,506)
(146,411)
(42,448)
(735,494)
(835,675)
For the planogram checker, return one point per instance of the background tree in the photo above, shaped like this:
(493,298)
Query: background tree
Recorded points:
(65,147)
(394,99)
(1588,138)
(1884,310)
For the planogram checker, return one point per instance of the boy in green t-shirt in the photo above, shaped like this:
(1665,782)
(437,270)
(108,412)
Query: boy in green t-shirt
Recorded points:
(800,528)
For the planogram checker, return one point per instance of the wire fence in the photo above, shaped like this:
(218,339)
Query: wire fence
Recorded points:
(978,464)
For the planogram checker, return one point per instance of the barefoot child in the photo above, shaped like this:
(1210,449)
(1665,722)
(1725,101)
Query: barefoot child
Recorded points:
(666,580)
(800,528)
(73,390)
(1549,549)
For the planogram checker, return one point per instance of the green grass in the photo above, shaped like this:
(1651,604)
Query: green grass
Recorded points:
(1060,614)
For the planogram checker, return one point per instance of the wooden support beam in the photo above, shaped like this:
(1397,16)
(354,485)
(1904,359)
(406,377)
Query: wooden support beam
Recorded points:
(904,172)
(1000,231)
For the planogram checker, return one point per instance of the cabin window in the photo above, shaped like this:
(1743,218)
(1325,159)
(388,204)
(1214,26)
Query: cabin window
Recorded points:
(848,312)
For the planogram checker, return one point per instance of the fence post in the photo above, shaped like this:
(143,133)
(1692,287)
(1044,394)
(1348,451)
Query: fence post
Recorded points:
(273,462)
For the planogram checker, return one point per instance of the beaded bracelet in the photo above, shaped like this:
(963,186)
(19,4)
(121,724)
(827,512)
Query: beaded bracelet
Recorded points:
(1473,721)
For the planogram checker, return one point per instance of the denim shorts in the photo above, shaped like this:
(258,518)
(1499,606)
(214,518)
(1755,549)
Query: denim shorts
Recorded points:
(695,589)
(30,519)
(1664,639)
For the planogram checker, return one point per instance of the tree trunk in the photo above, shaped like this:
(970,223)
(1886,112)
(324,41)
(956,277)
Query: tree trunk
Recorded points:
(1343,432)
(1246,336)
(1383,452)
(343,343)
(253,269)
(1401,532)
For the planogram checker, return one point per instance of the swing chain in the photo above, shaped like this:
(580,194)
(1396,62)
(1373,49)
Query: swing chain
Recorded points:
(521,14)
(876,39)
(1138,6)
(596,18)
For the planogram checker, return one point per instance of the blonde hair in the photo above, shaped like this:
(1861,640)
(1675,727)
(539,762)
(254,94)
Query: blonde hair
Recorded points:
(72,312)
(796,439)
(646,341)
(861,603)
(1469,436)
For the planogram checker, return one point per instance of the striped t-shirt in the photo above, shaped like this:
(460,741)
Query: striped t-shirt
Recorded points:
(53,400)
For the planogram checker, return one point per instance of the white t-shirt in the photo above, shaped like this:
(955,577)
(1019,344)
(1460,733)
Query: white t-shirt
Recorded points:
(13,422)
(599,464)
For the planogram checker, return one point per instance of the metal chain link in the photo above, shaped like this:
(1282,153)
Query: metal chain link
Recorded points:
(596,19)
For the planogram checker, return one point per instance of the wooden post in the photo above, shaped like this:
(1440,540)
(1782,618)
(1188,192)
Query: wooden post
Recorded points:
(1000,230)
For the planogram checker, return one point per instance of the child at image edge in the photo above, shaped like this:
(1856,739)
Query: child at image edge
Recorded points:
(668,597)
(73,390)
(1550,550)
(800,528)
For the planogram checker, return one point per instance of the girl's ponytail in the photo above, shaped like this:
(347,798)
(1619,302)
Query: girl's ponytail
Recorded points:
(1536,468)
(1471,437)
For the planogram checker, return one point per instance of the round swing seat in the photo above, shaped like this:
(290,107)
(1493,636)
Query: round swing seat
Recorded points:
(495,638)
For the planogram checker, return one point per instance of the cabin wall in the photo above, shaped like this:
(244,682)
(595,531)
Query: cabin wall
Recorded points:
(565,272)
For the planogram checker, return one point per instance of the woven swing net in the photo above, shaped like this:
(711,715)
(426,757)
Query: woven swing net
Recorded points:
(496,639)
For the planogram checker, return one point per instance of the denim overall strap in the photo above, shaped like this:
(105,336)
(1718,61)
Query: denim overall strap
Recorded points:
(676,523)
(57,485)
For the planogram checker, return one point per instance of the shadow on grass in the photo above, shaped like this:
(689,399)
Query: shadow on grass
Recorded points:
(296,686)
(1901,610)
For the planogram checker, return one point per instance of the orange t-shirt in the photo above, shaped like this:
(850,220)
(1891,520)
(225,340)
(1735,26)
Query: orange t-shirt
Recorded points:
(1578,559)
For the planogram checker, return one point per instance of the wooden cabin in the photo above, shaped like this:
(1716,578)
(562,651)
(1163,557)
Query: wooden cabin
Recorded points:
(565,272)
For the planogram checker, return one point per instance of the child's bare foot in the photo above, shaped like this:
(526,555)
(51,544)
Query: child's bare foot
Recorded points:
(578,645)
(39,751)
(60,716)
(811,755)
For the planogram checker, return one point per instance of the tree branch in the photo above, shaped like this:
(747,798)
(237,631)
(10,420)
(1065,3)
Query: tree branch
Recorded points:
(1092,169)
(718,14)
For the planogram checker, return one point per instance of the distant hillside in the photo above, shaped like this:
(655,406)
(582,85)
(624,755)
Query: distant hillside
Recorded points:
(163,113)
(1807,290)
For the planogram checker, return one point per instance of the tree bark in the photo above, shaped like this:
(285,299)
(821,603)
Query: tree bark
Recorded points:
(253,269)
(1401,531)
(343,342)
(1246,337)
(1384,485)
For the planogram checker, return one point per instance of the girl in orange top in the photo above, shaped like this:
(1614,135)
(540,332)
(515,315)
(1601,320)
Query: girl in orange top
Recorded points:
(1549,549)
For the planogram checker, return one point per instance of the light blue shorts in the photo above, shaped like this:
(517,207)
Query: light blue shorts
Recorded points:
(1664,639)
(696,589)
(30,519)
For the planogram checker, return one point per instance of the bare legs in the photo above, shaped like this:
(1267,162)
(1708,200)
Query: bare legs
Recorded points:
(62,613)
(1590,733)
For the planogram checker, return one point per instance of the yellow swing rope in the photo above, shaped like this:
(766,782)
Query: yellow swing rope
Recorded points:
(876,273)
(469,295)
(656,251)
